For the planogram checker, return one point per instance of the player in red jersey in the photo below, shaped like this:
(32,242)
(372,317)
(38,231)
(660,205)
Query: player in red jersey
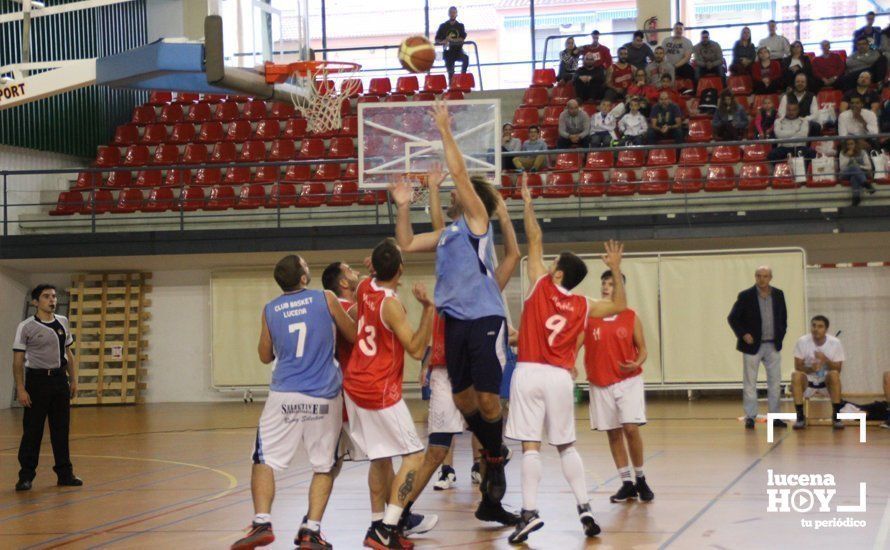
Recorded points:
(614,352)
(342,280)
(550,333)
(379,420)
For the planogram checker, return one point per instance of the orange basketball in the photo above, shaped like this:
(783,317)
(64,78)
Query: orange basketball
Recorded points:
(417,54)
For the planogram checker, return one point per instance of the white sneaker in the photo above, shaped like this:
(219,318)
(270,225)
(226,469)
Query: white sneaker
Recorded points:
(446,481)
(475,474)
(418,524)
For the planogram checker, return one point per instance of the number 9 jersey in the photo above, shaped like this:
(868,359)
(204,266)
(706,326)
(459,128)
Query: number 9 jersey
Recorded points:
(552,319)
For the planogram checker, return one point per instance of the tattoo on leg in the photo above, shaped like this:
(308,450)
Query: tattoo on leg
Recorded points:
(406,487)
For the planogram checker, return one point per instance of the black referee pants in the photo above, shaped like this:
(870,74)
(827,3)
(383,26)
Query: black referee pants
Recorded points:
(50,399)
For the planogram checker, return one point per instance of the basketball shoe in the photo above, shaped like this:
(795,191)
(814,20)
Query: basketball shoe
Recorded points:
(529,522)
(447,479)
(591,529)
(627,491)
(260,534)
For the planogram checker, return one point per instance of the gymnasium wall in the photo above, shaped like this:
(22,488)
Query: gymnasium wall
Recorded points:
(14,286)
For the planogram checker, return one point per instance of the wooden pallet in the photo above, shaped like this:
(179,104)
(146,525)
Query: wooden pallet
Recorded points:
(109,319)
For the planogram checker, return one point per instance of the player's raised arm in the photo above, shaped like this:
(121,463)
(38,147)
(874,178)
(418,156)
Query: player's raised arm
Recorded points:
(474,209)
(512,255)
(402,193)
(265,350)
(618,303)
(415,343)
(536,267)
(345,324)
(435,177)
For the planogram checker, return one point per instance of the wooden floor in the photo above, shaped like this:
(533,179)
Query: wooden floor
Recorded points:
(177,476)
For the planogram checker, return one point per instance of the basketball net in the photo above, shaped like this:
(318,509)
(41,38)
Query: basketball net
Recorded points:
(323,101)
(421,190)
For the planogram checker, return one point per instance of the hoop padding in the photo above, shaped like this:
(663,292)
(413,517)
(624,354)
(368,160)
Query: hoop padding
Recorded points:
(322,106)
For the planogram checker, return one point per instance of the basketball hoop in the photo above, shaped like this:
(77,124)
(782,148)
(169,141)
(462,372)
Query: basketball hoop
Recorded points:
(421,190)
(320,101)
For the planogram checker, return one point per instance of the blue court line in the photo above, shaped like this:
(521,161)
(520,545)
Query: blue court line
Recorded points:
(719,495)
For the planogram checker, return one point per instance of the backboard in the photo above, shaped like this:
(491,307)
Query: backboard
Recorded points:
(400,138)
(257,31)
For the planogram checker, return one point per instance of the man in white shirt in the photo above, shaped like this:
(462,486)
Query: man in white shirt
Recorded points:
(818,360)
(778,45)
(792,126)
(808,106)
(858,122)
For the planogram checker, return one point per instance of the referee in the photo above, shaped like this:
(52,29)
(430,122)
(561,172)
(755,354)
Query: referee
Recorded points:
(41,357)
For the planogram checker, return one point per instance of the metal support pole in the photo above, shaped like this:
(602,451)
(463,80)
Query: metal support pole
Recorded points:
(797,17)
(426,18)
(531,14)
(5,209)
(26,33)
(324,35)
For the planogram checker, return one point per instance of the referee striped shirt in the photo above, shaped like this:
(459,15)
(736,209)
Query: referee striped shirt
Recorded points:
(44,343)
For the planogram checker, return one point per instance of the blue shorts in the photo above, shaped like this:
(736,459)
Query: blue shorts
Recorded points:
(475,353)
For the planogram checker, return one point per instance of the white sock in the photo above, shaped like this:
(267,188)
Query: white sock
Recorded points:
(376,516)
(262,518)
(392,514)
(531,476)
(312,525)
(625,474)
(573,470)
(638,472)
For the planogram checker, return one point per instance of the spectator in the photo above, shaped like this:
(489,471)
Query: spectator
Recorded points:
(633,125)
(708,57)
(862,60)
(808,106)
(574,127)
(797,63)
(828,67)
(884,48)
(766,74)
(666,120)
(536,144)
(855,167)
(601,54)
(590,80)
(730,119)
(509,144)
(451,35)
(818,359)
(668,86)
(791,126)
(858,122)
(743,54)
(765,120)
(869,32)
(639,54)
(870,98)
(568,61)
(641,88)
(778,45)
(602,126)
(619,76)
(678,51)
(884,119)
(658,68)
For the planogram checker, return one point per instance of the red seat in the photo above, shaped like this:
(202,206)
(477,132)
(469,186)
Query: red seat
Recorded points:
(297,173)
(295,128)
(435,83)
(684,85)
(238,130)
(407,85)
(589,108)
(379,86)
(726,154)
(159,200)
(631,158)
(182,133)
(550,135)
(166,153)
(208,176)
(506,188)
(396,98)
(191,199)
(222,197)
(754,177)
(224,151)
(325,86)
(740,84)
(311,195)
(656,181)
(282,110)
(69,202)
(706,82)
(251,197)
(592,184)
(149,179)
(215,98)
(159,98)
(88,180)
(186,98)
(349,127)
(559,184)
(561,95)
(453,95)
(128,201)
(282,149)
(178,178)
(267,130)
(568,162)
(125,134)
(341,148)
(367,99)
(143,114)
(425,96)
(266,174)
(199,112)
(622,183)
(254,109)
(107,156)
(253,151)
(720,178)
(757,152)
(210,132)
(687,179)
(700,131)
(345,193)
(599,160)
(824,97)
(544,77)
(662,157)
(226,112)
(237,175)
(119,180)
(195,153)
(100,201)
(371,197)
(327,172)
(535,186)
(525,116)
(282,195)
(782,177)
(171,114)
(351,171)
(346,83)
(312,148)
(693,156)
(137,155)
(154,134)
(551,115)
(463,82)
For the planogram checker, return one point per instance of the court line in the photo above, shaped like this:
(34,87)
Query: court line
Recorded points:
(884,529)
(719,495)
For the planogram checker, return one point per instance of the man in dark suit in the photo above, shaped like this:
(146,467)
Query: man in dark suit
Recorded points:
(759,320)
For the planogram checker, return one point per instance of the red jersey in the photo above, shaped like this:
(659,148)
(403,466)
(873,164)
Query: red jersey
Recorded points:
(608,342)
(552,319)
(623,78)
(437,354)
(601,54)
(344,346)
(374,377)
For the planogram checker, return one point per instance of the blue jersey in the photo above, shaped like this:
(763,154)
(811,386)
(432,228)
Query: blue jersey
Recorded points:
(303,335)
(466,287)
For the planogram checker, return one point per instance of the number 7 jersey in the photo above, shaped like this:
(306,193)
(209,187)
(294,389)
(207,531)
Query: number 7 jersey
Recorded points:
(552,320)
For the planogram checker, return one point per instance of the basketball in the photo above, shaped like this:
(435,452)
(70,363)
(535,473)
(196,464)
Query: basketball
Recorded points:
(417,54)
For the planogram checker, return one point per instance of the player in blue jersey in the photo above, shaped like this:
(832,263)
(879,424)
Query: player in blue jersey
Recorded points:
(467,295)
(305,405)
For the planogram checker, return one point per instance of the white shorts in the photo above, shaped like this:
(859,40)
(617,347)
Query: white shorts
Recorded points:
(383,433)
(621,403)
(815,392)
(347,448)
(444,416)
(541,396)
(291,420)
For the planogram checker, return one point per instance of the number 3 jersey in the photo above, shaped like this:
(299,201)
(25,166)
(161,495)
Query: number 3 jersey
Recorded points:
(374,376)
(552,320)
(303,335)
